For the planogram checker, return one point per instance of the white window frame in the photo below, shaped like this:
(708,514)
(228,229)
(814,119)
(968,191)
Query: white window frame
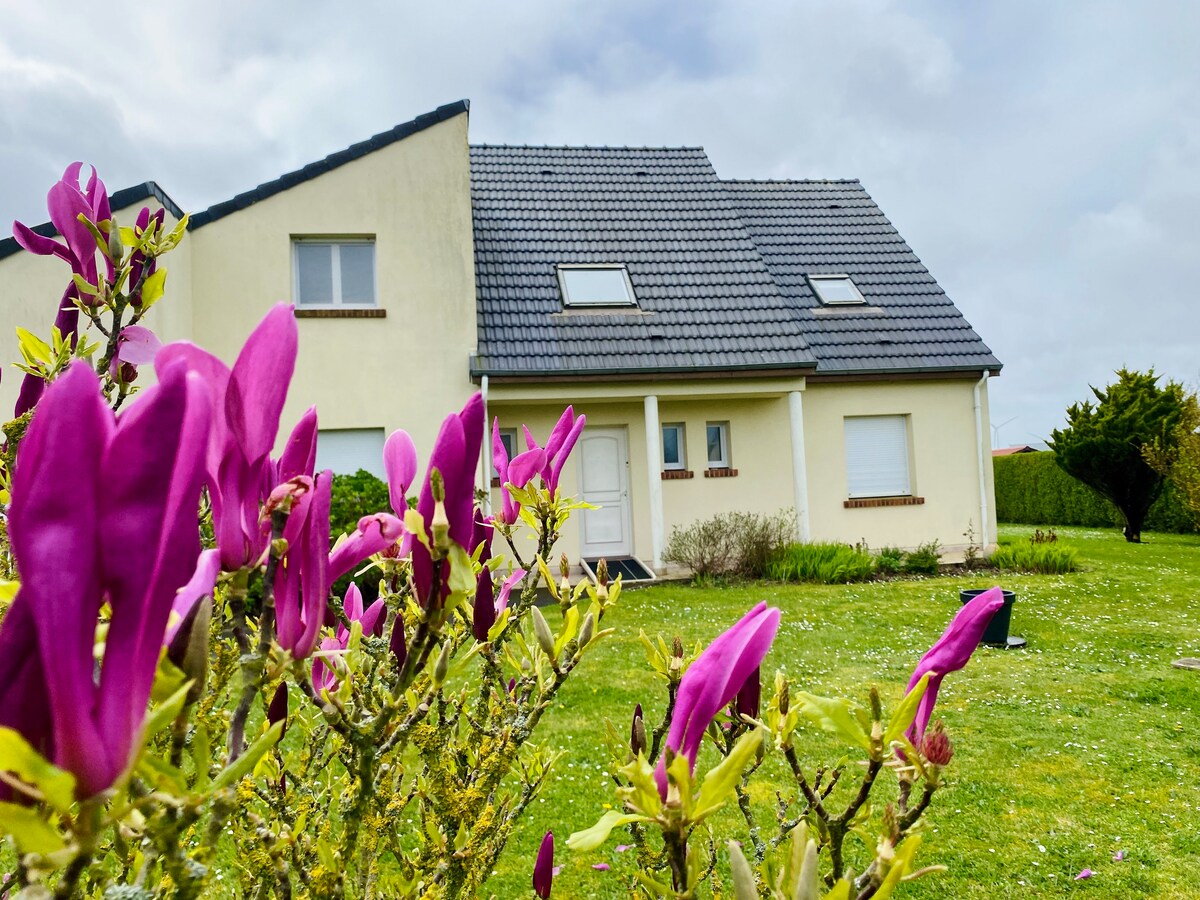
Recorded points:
(680,442)
(723,462)
(881,444)
(335,262)
(815,281)
(562,269)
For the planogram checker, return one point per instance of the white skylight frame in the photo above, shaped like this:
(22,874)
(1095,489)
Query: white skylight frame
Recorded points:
(816,282)
(564,271)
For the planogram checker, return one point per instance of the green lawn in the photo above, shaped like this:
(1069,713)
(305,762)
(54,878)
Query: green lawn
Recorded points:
(1081,745)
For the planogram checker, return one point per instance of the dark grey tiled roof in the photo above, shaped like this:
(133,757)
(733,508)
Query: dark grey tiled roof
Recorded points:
(718,269)
(118,200)
(834,227)
(706,298)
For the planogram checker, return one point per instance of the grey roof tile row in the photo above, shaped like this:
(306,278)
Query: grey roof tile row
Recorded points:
(718,268)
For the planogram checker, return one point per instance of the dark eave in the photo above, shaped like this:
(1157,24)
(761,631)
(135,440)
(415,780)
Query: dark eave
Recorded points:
(118,200)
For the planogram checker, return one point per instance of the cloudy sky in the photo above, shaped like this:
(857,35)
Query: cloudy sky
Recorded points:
(1043,159)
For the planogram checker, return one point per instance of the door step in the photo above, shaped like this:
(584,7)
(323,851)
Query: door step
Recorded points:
(629,568)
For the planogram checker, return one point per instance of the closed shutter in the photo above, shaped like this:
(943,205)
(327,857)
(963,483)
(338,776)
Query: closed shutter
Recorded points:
(877,456)
(346,450)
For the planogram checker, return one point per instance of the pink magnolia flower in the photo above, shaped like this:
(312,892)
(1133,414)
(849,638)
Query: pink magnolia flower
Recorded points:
(559,445)
(66,201)
(1085,874)
(136,346)
(951,652)
(713,680)
(372,621)
(247,404)
(483,615)
(517,472)
(506,589)
(122,529)
(456,456)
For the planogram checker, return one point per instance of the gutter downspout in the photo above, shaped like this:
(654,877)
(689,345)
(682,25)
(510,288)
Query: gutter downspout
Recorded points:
(486,456)
(979,442)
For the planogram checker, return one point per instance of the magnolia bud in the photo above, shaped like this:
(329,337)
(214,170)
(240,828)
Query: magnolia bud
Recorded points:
(541,630)
(440,526)
(586,629)
(677,647)
(564,566)
(747,701)
(876,705)
(936,747)
(116,249)
(278,710)
(396,645)
(442,667)
(188,650)
(784,698)
(602,573)
(637,733)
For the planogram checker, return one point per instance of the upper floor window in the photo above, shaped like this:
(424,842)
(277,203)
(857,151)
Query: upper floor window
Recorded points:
(835,290)
(595,285)
(346,450)
(334,272)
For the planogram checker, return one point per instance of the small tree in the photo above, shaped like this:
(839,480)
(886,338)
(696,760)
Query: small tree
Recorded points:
(1178,457)
(1102,444)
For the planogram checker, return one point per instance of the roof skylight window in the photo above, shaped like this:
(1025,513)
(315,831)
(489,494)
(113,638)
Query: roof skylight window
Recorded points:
(835,290)
(598,285)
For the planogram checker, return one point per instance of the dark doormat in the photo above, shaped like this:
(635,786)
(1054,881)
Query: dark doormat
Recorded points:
(627,567)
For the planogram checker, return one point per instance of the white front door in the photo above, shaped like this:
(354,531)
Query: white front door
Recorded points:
(604,476)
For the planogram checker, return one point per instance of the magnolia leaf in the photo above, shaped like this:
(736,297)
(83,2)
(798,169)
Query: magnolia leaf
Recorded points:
(642,792)
(500,624)
(569,630)
(201,754)
(720,781)
(835,716)
(657,888)
(167,678)
(841,891)
(165,713)
(30,832)
(153,287)
(591,838)
(551,585)
(900,866)
(33,348)
(521,495)
(906,711)
(84,286)
(414,524)
(162,775)
(18,756)
(245,763)
(529,518)
(8,590)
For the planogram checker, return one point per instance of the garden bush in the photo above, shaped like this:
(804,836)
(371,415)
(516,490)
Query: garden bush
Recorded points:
(925,560)
(1031,489)
(1042,557)
(733,544)
(889,561)
(823,563)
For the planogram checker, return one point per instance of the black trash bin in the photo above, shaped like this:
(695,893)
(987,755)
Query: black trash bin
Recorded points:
(997,631)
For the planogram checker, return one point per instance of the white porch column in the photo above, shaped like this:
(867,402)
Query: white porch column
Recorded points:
(799,466)
(654,476)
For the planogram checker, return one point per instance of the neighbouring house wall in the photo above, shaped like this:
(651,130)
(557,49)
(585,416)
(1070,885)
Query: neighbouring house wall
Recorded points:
(943,463)
(408,370)
(31,288)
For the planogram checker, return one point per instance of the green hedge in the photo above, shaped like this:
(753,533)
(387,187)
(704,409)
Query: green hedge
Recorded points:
(1032,490)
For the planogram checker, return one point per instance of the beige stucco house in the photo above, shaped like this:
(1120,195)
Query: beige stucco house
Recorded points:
(743,345)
